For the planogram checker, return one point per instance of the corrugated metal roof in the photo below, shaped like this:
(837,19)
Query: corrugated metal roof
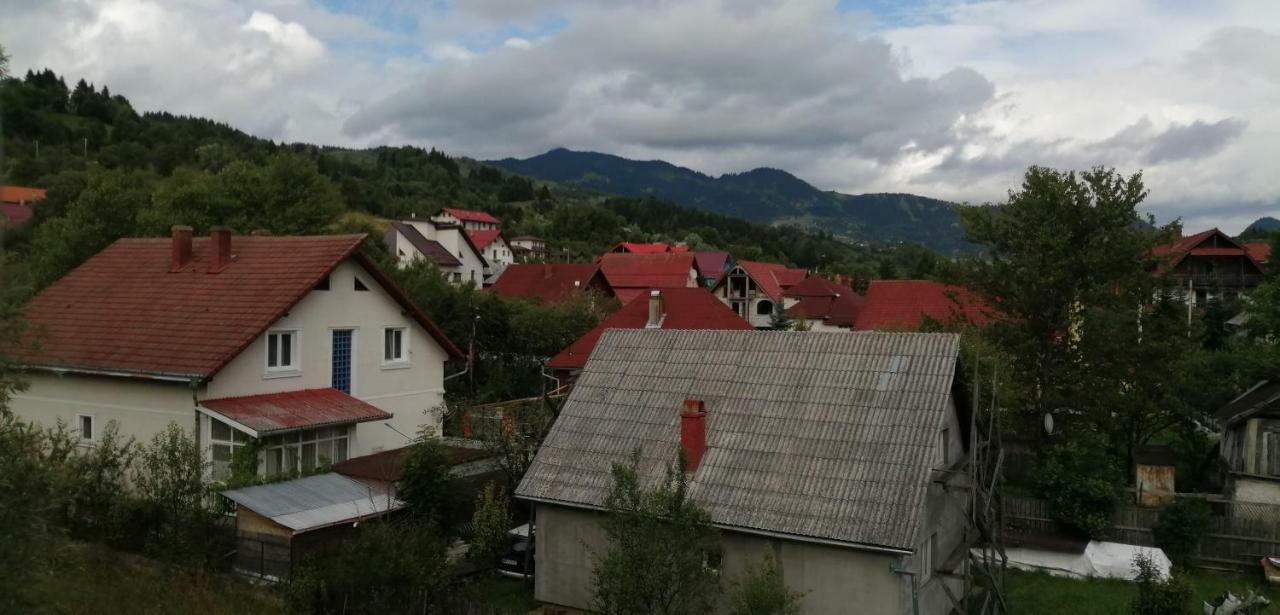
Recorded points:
(815,435)
(272,413)
(315,501)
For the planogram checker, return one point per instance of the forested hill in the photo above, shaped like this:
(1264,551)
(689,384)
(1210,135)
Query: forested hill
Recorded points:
(114,172)
(768,196)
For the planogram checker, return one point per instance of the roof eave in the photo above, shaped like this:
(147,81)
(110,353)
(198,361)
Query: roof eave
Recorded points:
(117,372)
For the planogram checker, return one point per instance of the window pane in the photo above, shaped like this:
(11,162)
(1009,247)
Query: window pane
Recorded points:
(286,350)
(387,343)
(221,453)
(240,437)
(273,354)
(399,343)
(324,452)
(220,430)
(339,450)
(274,458)
(291,459)
(308,457)
(86,427)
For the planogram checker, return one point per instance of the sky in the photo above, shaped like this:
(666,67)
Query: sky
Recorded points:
(945,98)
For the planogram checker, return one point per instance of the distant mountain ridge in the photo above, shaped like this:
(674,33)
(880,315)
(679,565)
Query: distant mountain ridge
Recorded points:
(763,195)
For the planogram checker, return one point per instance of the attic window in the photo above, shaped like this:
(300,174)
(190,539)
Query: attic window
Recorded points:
(323,284)
(360,285)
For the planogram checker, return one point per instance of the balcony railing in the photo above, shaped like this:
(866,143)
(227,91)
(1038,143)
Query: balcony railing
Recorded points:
(1215,280)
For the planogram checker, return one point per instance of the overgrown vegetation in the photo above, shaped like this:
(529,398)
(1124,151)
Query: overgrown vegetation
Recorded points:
(1159,594)
(761,591)
(1181,525)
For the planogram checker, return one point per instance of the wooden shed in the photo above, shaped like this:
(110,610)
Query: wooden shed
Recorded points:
(1251,443)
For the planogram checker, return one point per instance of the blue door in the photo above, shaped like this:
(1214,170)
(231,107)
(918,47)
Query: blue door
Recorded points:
(341,360)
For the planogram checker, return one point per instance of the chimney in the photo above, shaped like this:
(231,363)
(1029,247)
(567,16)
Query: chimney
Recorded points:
(656,312)
(219,248)
(181,247)
(693,433)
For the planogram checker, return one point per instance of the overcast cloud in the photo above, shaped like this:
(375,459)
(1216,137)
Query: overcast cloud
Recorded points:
(945,99)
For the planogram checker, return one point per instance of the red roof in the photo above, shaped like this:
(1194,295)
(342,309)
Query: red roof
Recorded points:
(547,282)
(683,308)
(821,299)
(631,274)
(294,410)
(124,311)
(468,215)
(482,239)
(627,247)
(16,213)
(388,466)
(1258,250)
(903,305)
(712,264)
(773,278)
(20,194)
(430,249)
(1223,245)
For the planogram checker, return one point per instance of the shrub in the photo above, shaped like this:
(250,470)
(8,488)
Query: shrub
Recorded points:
(1181,525)
(1081,484)
(490,523)
(1156,594)
(170,484)
(761,591)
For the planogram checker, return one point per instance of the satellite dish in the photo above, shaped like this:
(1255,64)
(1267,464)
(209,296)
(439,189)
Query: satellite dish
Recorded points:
(1048,423)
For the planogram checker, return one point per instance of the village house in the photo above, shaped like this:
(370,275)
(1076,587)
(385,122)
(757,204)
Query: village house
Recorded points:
(494,249)
(445,244)
(822,305)
(1251,444)
(905,305)
(527,248)
(1211,265)
(550,282)
(752,289)
(665,308)
(829,452)
(300,343)
(468,219)
(632,275)
(713,264)
(16,204)
(627,247)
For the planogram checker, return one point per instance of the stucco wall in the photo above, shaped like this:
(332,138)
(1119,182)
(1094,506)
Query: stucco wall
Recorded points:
(412,393)
(834,579)
(141,408)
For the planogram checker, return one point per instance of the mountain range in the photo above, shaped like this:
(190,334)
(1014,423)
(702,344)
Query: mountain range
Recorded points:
(763,195)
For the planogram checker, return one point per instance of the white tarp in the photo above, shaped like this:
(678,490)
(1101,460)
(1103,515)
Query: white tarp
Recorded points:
(1111,560)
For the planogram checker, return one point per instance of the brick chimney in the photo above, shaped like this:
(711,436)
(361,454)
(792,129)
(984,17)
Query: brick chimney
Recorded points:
(693,432)
(656,310)
(219,248)
(181,247)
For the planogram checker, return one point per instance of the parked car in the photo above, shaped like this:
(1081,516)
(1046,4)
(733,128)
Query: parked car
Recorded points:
(513,561)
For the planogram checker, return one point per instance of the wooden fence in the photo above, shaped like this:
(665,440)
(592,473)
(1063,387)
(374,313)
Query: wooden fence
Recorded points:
(1239,533)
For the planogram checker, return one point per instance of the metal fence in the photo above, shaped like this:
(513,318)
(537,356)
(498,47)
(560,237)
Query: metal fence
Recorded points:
(263,555)
(1238,535)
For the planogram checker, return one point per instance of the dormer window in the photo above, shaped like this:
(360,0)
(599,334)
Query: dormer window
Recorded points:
(282,351)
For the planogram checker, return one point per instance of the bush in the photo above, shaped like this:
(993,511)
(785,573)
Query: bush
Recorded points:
(1081,484)
(761,591)
(427,487)
(170,484)
(1181,525)
(1156,594)
(490,523)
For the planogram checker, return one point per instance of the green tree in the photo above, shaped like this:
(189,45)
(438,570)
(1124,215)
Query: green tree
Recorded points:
(490,524)
(1057,249)
(660,545)
(170,481)
(428,488)
(4,63)
(106,210)
(762,591)
(1080,482)
(387,568)
(287,196)
(779,320)
(1181,525)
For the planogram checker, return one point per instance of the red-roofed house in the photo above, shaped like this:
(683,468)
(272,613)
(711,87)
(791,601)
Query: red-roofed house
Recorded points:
(1259,250)
(468,219)
(494,248)
(822,304)
(301,343)
(630,275)
(752,289)
(15,204)
(713,264)
(659,308)
(903,305)
(550,282)
(627,247)
(1208,265)
(444,243)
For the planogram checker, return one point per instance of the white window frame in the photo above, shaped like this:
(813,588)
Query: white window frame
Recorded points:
(220,470)
(295,352)
(93,427)
(945,446)
(403,360)
(926,557)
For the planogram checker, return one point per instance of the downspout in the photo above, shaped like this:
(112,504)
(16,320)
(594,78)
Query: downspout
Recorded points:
(915,590)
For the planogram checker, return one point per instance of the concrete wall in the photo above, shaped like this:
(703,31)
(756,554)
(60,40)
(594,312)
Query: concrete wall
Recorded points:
(142,408)
(413,392)
(942,524)
(834,579)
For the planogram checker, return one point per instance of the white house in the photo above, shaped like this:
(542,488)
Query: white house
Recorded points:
(300,342)
(468,219)
(495,250)
(753,289)
(445,244)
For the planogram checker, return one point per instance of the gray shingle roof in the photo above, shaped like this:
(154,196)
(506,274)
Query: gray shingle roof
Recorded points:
(818,435)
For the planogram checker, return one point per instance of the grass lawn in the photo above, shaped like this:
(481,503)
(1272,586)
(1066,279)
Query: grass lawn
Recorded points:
(90,579)
(509,596)
(1042,594)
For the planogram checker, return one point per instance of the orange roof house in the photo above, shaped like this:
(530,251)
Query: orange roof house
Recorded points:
(1210,264)
(16,204)
(754,289)
(550,282)
(630,275)
(904,305)
(824,305)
